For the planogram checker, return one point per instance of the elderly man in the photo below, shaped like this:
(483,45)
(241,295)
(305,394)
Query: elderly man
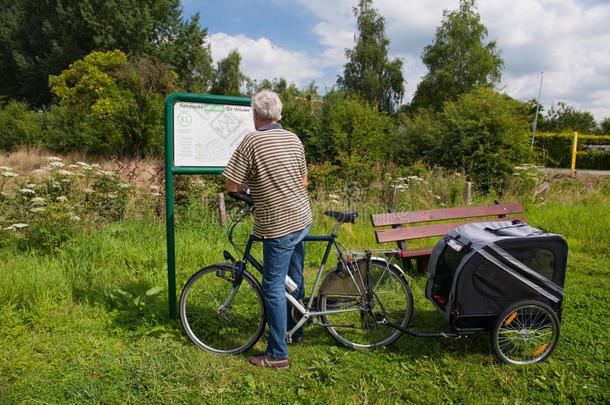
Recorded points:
(271,163)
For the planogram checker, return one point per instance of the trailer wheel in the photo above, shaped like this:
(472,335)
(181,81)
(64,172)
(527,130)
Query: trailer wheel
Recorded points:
(526,332)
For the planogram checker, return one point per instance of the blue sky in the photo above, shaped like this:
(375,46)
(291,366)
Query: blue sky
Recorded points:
(305,40)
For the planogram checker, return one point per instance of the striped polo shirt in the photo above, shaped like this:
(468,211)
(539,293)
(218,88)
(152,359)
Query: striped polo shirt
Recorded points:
(271,161)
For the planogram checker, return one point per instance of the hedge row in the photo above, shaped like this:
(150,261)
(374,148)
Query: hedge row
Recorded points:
(556,149)
(593,160)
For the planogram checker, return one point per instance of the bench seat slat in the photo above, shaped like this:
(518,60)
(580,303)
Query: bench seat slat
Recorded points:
(442,214)
(426,231)
(427,251)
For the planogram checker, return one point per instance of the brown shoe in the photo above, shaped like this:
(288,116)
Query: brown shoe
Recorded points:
(266,361)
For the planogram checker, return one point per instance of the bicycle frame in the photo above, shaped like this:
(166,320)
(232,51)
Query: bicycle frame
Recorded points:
(304,310)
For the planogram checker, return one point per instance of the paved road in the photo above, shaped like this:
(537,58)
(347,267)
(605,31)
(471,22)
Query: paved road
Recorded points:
(568,171)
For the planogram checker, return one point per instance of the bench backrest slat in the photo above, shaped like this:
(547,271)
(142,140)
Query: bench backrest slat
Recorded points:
(412,217)
(426,231)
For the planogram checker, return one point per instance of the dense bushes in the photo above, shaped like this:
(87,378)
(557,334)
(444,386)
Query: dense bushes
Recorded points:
(556,150)
(483,133)
(19,126)
(595,160)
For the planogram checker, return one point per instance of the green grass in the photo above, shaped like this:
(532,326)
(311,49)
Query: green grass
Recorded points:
(69,334)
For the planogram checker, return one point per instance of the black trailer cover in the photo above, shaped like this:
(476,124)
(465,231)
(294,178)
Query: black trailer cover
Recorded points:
(478,269)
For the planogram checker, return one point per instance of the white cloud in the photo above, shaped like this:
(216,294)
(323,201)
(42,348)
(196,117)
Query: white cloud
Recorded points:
(263,60)
(567,39)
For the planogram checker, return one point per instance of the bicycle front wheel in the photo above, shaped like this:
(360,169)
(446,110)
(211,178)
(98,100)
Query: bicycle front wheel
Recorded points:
(216,322)
(345,291)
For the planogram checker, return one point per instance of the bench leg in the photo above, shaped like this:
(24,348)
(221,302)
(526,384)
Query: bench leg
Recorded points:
(422,264)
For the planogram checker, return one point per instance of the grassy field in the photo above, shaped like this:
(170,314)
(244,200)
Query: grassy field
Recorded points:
(86,323)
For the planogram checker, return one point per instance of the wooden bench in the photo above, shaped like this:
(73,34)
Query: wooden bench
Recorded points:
(458,216)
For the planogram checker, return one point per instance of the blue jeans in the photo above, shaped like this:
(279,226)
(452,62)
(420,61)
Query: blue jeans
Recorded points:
(281,256)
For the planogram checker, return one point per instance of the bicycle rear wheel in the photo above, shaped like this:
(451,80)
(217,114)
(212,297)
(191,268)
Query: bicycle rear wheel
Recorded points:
(390,296)
(214,324)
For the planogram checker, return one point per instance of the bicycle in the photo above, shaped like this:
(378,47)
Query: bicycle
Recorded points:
(222,309)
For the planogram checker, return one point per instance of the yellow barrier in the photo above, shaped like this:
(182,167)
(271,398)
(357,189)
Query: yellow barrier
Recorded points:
(574,154)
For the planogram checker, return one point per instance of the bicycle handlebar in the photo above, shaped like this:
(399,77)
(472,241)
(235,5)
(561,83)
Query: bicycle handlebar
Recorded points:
(238,195)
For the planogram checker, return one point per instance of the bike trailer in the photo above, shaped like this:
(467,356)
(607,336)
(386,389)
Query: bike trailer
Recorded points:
(479,269)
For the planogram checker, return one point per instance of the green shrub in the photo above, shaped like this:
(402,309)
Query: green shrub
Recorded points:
(483,134)
(556,148)
(19,126)
(595,160)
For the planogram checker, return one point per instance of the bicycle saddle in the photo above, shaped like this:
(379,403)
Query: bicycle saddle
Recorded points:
(343,216)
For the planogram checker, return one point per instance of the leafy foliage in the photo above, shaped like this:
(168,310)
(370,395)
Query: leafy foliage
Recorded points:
(352,134)
(482,133)
(605,126)
(228,79)
(369,72)
(565,117)
(41,38)
(19,126)
(459,60)
(556,150)
(123,97)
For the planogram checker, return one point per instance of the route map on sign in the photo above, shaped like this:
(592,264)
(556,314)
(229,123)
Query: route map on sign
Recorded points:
(207,134)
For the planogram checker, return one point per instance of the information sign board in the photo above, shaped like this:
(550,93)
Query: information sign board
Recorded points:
(206,135)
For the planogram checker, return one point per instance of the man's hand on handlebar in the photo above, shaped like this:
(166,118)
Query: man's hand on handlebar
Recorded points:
(242,196)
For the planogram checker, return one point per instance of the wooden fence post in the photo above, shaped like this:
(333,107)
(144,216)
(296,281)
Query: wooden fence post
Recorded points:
(468,192)
(221,209)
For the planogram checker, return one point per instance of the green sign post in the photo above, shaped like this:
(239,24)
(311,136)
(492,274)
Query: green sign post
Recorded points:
(201,133)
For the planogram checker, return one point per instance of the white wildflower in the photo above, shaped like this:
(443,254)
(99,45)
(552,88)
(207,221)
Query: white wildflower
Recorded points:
(5,168)
(84,164)
(73,166)
(65,172)
(415,178)
(400,178)
(112,195)
(124,185)
(438,197)
(104,173)
(27,191)
(39,171)
(54,158)
(9,174)
(37,209)
(17,226)
(95,165)
(37,201)
(55,184)
(31,185)
(57,164)
(156,194)
(88,191)
(155,187)
(333,196)
(75,217)
(62,198)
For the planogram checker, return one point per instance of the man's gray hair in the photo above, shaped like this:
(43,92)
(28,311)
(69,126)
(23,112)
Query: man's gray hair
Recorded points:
(267,105)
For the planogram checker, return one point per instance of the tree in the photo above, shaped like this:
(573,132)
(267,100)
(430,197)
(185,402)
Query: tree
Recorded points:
(565,117)
(482,133)
(459,60)
(605,126)
(42,37)
(369,71)
(228,79)
(124,98)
